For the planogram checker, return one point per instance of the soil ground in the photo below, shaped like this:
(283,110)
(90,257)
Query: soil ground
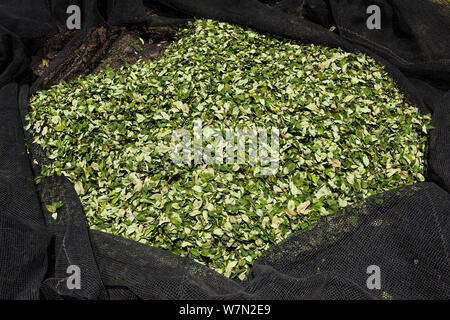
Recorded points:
(103,46)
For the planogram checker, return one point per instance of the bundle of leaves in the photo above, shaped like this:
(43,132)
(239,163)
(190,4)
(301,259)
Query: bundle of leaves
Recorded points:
(346,132)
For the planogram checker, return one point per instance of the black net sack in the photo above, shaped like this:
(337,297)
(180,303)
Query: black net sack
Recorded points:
(404,232)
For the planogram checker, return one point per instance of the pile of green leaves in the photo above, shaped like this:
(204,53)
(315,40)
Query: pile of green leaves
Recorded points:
(346,132)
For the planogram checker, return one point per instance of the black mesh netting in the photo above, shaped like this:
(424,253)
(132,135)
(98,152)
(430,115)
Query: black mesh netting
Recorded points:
(403,231)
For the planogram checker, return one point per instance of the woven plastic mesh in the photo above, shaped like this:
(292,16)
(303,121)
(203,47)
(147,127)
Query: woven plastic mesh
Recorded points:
(403,231)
